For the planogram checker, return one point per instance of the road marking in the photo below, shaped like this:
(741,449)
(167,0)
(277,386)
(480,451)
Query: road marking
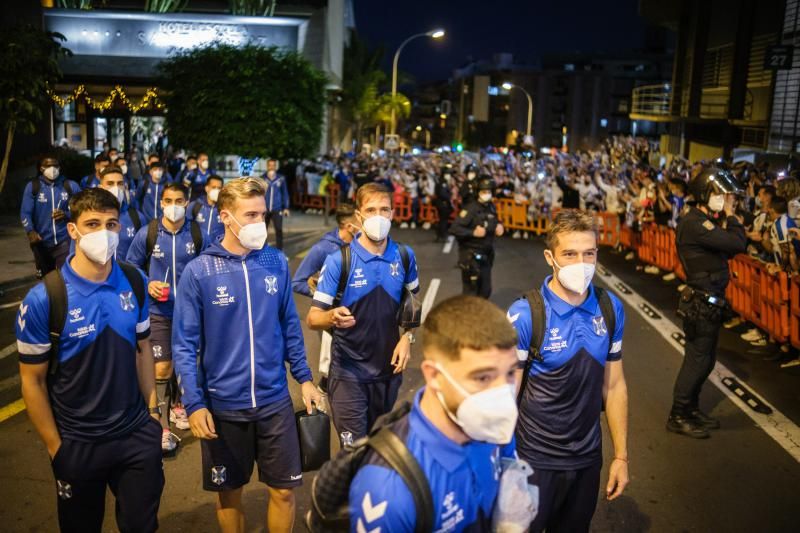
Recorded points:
(776,425)
(448,246)
(12,304)
(430,296)
(11,409)
(10,382)
(8,350)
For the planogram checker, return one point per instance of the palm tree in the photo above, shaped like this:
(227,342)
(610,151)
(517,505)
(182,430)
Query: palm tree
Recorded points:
(362,76)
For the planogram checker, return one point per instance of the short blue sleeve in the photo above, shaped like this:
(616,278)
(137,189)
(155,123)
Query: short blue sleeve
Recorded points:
(32,327)
(143,324)
(380,501)
(412,276)
(519,314)
(328,282)
(615,347)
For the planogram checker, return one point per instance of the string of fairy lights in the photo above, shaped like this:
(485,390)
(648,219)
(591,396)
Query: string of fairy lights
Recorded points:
(149,101)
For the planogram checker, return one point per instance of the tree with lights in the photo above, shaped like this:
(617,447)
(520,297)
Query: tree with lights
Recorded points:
(250,101)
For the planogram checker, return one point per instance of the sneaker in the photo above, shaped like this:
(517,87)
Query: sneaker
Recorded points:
(708,422)
(669,277)
(752,334)
(526,236)
(681,287)
(733,322)
(413,225)
(169,441)
(177,416)
(684,425)
(426,226)
(516,235)
(404,225)
(651,269)
(790,364)
(629,256)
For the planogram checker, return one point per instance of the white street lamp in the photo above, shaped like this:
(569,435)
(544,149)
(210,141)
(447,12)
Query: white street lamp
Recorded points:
(508,86)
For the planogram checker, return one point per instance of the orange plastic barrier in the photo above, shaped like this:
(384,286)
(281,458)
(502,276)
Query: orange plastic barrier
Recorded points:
(647,247)
(609,226)
(315,201)
(794,311)
(402,208)
(514,216)
(760,297)
(628,238)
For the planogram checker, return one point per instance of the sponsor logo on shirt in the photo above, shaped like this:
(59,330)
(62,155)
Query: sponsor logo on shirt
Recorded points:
(556,343)
(42,198)
(200,217)
(452,513)
(83,331)
(157,252)
(222,297)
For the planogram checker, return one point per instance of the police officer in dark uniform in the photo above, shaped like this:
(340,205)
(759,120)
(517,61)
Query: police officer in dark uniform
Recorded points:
(468,191)
(475,228)
(443,201)
(708,234)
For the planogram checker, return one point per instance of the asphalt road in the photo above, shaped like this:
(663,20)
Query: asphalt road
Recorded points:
(742,479)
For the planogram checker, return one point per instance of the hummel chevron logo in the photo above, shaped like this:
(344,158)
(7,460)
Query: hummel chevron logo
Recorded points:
(361,529)
(512,318)
(372,513)
(23,309)
(21,323)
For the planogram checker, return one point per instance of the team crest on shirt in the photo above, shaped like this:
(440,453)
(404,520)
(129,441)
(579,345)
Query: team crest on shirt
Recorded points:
(395,269)
(200,218)
(190,248)
(131,232)
(599,325)
(218,475)
(272,284)
(64,489)
(126,301)
(64,196)
(157,351)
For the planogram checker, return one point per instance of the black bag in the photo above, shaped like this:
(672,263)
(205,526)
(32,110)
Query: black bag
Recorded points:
(56,290)
(330,490)
(314,432)
(538,326)
(409,313)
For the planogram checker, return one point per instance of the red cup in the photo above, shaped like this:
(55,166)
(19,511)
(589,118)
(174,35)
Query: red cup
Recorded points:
(164,293)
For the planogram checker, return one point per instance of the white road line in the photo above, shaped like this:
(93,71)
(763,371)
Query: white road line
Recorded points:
(12,304)
(430,297)
(8,350)
(448,246)
(777,425)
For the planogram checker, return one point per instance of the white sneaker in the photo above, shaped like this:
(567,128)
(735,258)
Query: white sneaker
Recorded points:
(790,364)
(651,269)
(681,287)
(668,277)
(516,235)
(404,225)
(759,342)
(426,225)
(732,323)
(629,256)
(751,335)
(177,415)
(526,236)
(169,441)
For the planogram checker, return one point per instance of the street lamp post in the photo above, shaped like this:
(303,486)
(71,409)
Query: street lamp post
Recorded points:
(435,34)
(508,86)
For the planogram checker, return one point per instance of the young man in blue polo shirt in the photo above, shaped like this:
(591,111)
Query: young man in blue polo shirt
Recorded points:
(368,354)
(459,429)
(174,246)
(236,327)
(89,401)
(579,371)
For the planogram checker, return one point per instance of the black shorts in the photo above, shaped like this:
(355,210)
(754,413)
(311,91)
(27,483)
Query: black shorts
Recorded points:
(567,498)
(161,337)
(271,442)
(355,406)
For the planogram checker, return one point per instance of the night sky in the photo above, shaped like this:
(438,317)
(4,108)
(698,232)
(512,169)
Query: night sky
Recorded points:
(526,28)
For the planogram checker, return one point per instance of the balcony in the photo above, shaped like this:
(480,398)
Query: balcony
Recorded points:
(652,102)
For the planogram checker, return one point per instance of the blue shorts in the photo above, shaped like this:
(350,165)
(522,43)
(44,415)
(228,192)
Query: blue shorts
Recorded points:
(355,406)
(266,436)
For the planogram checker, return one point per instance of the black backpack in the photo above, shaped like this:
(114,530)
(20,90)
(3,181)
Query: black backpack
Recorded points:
(135,218)
(152,236)
(57,297)
(410,311)
(538,326)
(36,187)
(196,209)
(330,490)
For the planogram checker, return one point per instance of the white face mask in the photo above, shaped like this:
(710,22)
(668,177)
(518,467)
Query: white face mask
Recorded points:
(51,173)
(99,246)
(213,194)
(377,227)
(271,173)
(174,213)
(487,416)
(485,197)
(251,236)
(576,277)
(203,165)
(124,168)
(118,192)
(471,176)
(716,202)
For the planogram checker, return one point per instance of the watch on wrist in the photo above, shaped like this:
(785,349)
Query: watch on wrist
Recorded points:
(411,338)
(154,410)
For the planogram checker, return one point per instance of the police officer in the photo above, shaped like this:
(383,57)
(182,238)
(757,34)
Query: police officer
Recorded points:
(708,235)
(443,201)
(44,214)
(277,200)
(88,396)
(468,191)
(475,228)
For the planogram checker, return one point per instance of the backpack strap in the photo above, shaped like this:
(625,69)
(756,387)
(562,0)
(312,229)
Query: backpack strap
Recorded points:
(142,192)
(197,237)
(36,186)
(150,243)
(135,218)
(394,451)
(343,275)
(136,281)
(68,187)
(607,310)
(538,319)
(196,209)
(57,297)
(404,256)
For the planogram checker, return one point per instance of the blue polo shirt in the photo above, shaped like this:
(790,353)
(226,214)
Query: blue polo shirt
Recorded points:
(374,288)
(95,392)
(559,419)
(463,479)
